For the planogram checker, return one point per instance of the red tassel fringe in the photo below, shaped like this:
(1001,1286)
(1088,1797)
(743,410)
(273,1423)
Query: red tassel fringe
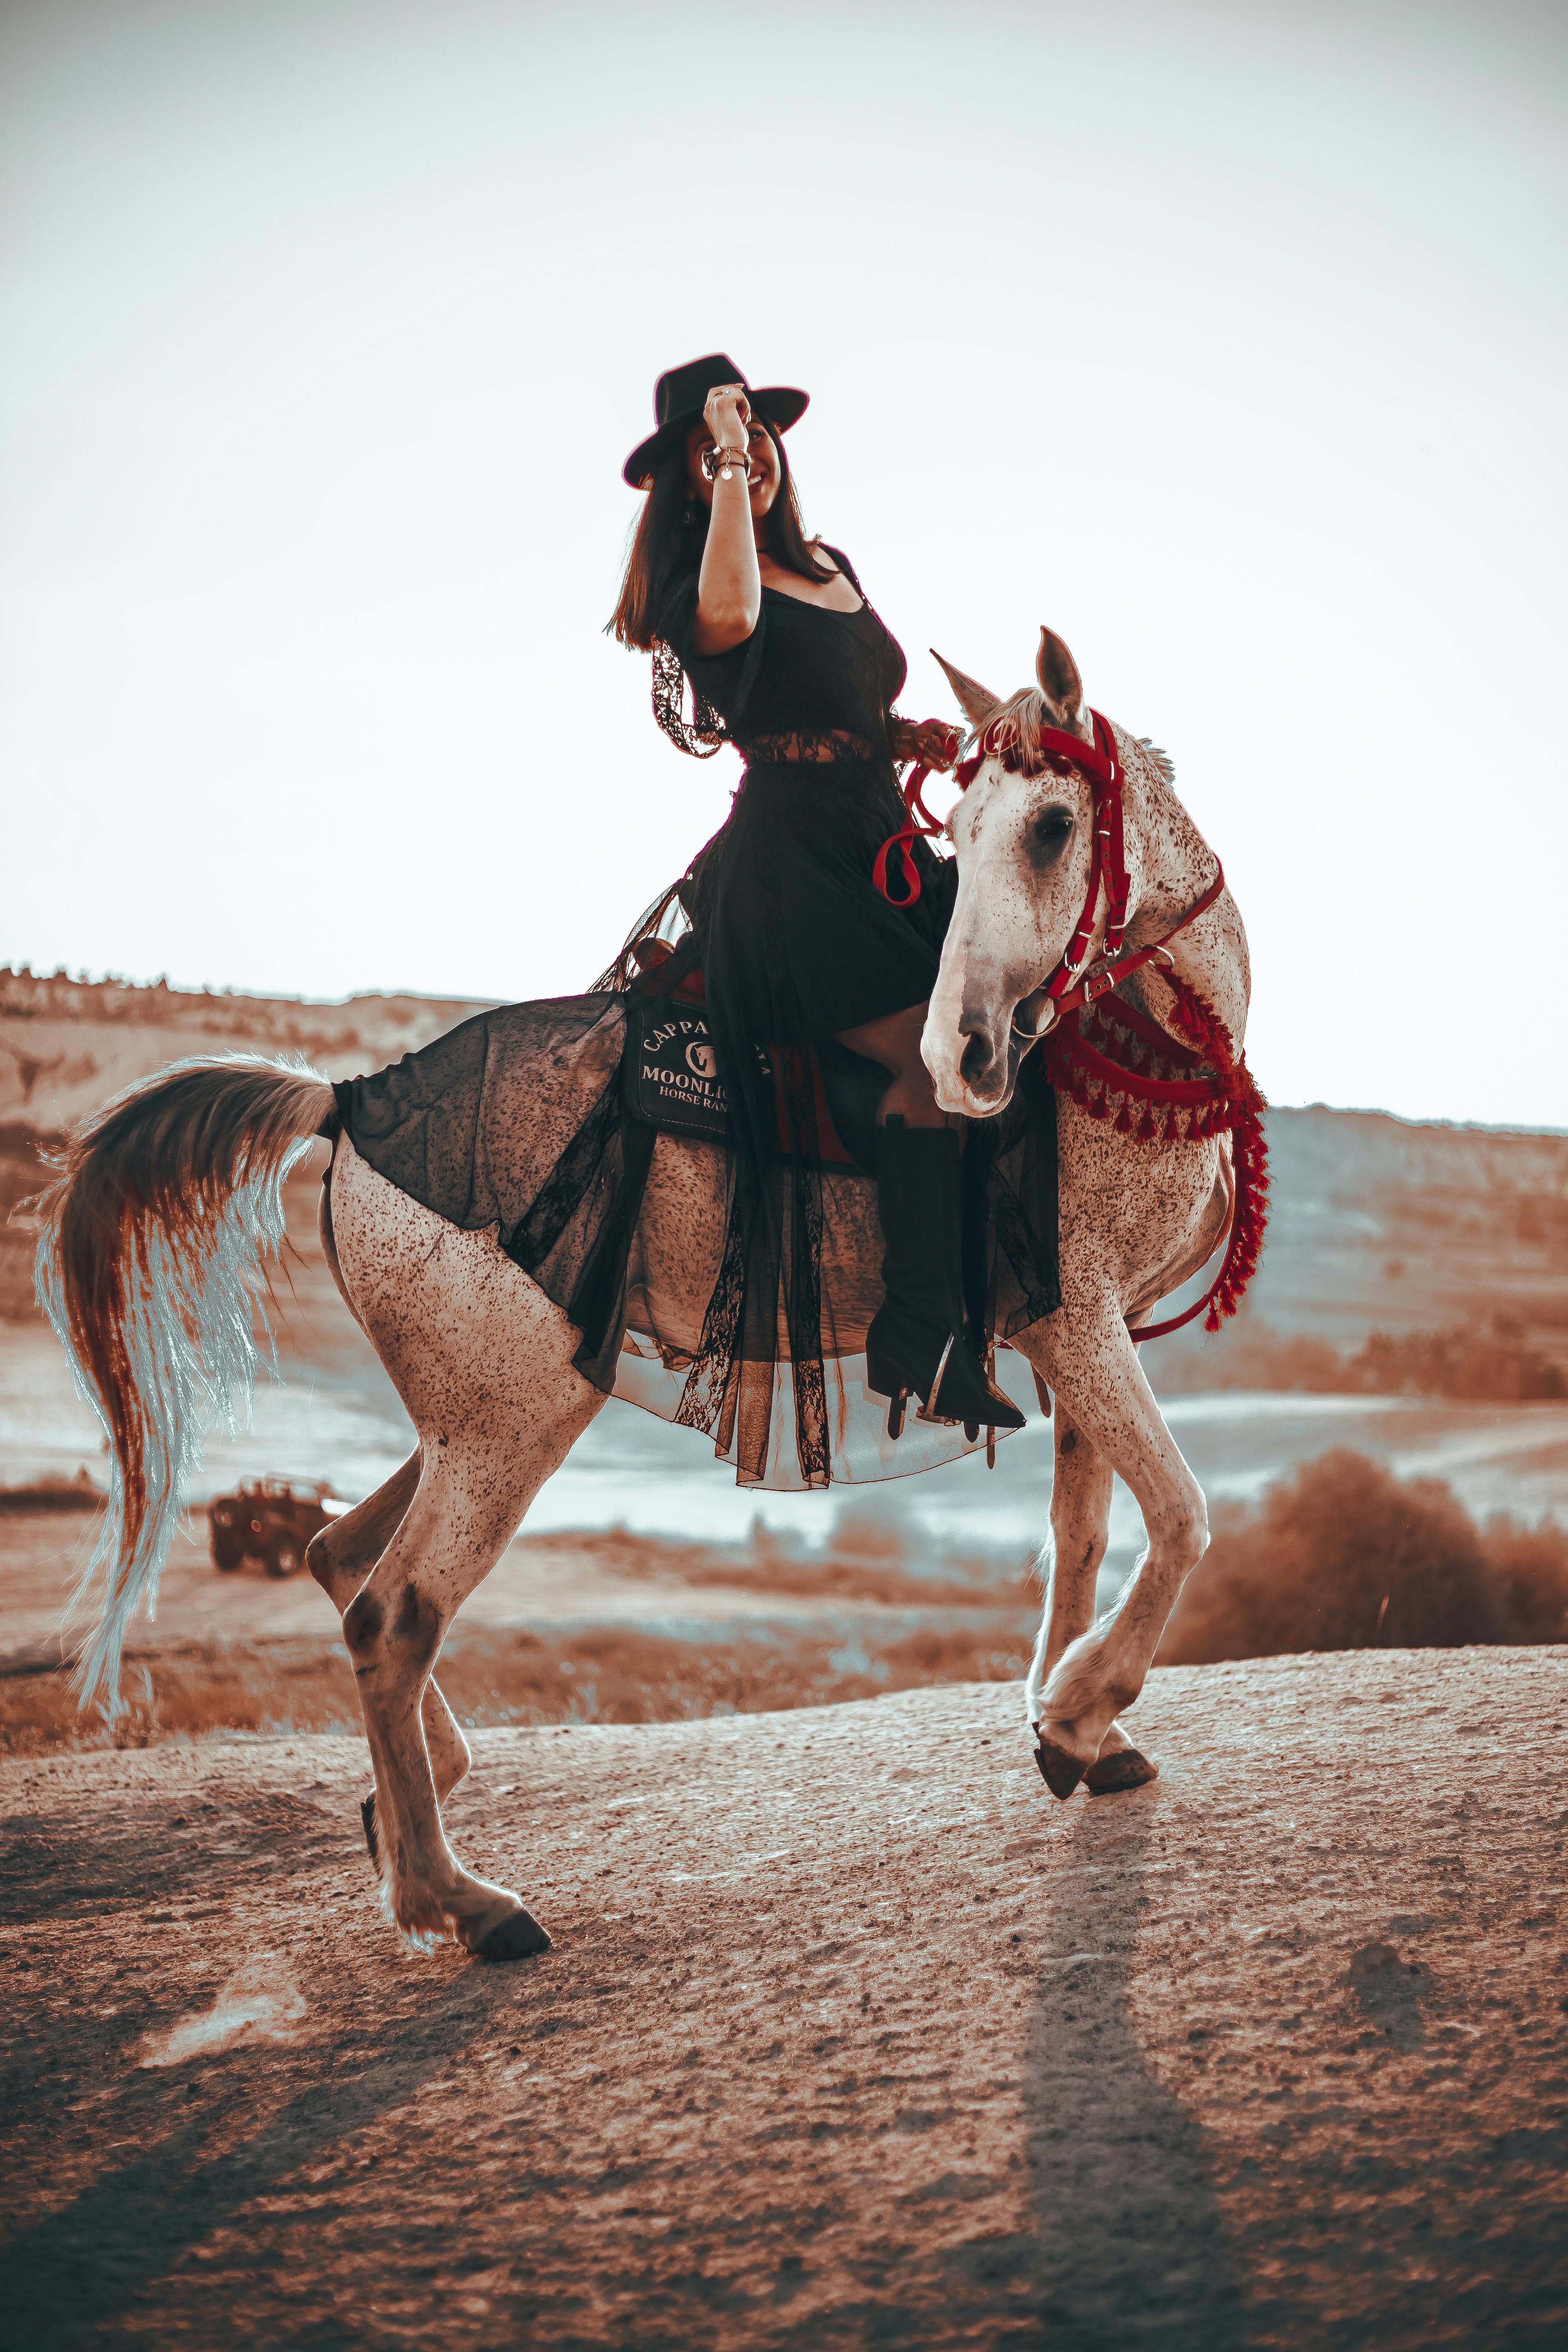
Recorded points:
(1234,1104)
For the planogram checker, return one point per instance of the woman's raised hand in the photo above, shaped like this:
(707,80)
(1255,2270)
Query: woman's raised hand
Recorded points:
(934,742)
(727,412)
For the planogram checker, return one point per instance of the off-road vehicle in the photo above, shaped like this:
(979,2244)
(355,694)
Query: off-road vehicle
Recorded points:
(269,1523)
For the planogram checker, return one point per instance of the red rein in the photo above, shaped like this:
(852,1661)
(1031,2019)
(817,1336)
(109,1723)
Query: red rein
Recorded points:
(1198,1105)
(917,818)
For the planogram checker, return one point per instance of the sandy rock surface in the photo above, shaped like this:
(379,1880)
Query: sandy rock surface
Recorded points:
(851,2035)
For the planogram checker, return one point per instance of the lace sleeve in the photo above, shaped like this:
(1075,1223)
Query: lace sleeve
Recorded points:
(721,683)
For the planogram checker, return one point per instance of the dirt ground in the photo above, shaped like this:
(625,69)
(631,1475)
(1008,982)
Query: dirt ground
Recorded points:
(850,2035)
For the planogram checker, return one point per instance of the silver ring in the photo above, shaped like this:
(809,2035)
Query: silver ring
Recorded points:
(1047,1025)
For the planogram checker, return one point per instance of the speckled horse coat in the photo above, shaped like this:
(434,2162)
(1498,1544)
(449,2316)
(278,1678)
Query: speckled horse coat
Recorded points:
(165,1204)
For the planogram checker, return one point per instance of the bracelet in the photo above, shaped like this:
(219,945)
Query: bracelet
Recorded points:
(717,460)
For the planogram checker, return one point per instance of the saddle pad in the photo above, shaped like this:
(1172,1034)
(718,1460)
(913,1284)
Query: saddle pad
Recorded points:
(671,1081)
(671,1076)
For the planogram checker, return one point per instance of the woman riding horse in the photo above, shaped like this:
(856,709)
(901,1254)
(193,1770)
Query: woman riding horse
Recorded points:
(796,942)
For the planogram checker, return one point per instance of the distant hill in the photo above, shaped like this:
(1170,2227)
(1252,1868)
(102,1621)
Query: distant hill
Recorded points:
(1377,1222)
(65,1045)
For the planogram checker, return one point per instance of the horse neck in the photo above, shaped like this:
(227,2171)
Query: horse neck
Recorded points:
(1170,866)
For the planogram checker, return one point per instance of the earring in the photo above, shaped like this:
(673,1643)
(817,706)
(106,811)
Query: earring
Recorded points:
(690,516)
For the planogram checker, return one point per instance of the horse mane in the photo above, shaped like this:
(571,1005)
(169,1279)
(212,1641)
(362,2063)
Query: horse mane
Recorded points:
(1018,724)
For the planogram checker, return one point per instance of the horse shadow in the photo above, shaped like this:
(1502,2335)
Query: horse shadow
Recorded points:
(202,2140)
(1129,2241)
(58,1869)
(74,2277)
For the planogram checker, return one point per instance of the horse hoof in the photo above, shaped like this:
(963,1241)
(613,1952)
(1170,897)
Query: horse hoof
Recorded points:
(367,1815)
(1124,1768)
(1060,1772)
(517,1938)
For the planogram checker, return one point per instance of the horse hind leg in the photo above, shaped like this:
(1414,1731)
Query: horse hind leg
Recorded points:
(483,1361)
(472,1492)
(340,1559)
(1074,1550)
(342,1555)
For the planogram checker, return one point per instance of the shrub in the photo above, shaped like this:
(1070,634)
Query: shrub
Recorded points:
(1530,1567)
(1344,1556)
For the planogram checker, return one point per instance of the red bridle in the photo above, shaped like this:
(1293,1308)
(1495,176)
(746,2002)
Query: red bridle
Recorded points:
(1060,755)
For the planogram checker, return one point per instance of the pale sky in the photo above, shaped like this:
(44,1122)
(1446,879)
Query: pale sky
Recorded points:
(1227,338)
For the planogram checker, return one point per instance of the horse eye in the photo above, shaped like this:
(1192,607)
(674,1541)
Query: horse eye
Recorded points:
(1049,834)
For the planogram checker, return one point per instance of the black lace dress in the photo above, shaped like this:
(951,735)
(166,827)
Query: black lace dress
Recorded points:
(794,943)
(795,931)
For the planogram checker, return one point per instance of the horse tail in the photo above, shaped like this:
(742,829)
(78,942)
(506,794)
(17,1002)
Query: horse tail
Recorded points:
(162,1210)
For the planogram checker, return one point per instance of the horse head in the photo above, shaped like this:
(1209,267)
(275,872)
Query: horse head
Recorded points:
(1024,835)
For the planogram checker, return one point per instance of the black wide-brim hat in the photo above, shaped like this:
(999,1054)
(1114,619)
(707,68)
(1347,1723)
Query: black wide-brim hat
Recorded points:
(678,399)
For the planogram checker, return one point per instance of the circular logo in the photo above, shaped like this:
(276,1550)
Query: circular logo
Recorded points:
(701,1059)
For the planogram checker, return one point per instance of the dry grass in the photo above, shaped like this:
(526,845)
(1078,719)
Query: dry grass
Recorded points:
(1343,1555)
(866,1562)
(606,1674)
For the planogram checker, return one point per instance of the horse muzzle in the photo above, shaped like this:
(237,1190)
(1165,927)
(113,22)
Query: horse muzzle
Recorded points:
(972,1068)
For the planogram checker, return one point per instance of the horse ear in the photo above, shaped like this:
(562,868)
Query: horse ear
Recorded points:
(977,702)
(1059,681)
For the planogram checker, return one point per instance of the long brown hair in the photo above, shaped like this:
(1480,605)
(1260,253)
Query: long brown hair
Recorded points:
(672,533)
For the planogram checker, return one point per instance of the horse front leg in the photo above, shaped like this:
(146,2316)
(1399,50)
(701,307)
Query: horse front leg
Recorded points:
(1074,1555)
(1093,1366)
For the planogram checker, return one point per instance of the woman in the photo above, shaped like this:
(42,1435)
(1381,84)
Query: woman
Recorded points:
(797,944)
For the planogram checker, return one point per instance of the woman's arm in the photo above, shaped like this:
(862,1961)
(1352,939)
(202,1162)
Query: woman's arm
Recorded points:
(728,586)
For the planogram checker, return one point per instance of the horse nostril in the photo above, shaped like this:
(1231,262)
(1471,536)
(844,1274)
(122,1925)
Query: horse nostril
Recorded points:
(977,1057)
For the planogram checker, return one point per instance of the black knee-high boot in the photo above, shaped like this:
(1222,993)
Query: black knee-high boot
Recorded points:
(916,1339)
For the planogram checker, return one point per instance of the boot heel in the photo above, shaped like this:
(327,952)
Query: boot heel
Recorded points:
(930,1410)
(883,1378)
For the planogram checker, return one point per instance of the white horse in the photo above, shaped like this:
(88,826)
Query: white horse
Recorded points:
(165,1204)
